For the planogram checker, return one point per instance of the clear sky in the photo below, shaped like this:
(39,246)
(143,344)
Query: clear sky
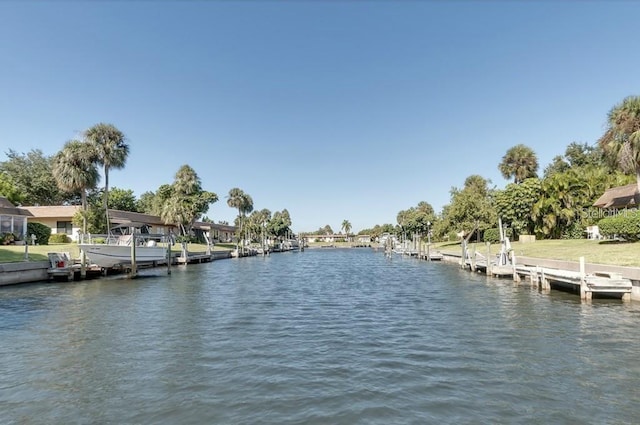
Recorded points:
(334,110)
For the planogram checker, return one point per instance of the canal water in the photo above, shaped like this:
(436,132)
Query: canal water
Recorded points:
(316,337)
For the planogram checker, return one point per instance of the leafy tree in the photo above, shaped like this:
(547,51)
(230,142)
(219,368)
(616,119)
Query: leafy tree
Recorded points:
(326,230)
(244,204)
(578,155)
(621,140)
(9,190)
(520,162)
(112,152)
(557,165)
(559,207)
(416,219)
(122,199)
(32,175)
(280,224)
(257,223)
(94,216)
(470,206)
(515,202)
(146,203)
(583,155)
(185,200)
(74,170)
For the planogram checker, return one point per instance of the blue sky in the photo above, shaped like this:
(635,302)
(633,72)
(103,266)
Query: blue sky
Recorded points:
(334,110)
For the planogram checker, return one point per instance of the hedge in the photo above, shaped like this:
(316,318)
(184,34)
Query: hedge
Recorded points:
(625,226)
(493,235)
(59,238)
(41,231)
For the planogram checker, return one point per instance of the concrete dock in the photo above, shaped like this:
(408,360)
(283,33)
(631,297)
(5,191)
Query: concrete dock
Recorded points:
(579,277)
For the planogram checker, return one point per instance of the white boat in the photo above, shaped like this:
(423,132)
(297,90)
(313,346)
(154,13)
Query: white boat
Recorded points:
(114,250)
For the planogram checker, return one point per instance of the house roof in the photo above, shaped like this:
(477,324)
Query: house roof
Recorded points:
(209,226)
(7,208)
(115,216)
(54,211)
(619,197)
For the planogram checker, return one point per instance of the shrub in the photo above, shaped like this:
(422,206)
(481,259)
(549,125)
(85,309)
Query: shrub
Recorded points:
(7,238)
(41,231)
(625,226)
(186,239)
(59,238)
(493,235)
(574,231)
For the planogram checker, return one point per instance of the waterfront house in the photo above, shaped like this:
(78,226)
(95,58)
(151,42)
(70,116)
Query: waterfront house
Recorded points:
(60,219)
(12,219)
(614,201)
(326,238)
(215,232)
(620,197)
(57,218)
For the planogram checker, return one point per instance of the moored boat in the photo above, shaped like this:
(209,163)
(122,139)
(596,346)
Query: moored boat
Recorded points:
(111,250)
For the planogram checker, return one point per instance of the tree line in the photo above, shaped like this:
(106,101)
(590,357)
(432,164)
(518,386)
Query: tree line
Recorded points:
(557,204)
(72,175)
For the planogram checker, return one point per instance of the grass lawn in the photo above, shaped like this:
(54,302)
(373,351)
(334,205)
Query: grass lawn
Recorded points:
(599,252)
(13,253)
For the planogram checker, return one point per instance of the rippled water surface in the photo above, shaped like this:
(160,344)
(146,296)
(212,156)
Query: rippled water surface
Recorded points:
(318,337)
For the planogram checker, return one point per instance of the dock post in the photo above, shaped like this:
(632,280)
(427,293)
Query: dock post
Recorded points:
(516,276)
(185,252)
(489,270)
(474,261)
(545,285)
(169,255)
(585,294)
(134,268)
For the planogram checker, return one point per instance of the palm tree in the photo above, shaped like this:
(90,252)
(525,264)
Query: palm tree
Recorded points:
(74,170)
(346,226)
(244,204)
(112,152)
(520,162)
(621,141)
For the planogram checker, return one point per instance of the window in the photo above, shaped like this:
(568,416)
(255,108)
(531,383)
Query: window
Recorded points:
(19,227)
(5,224)
(64,227)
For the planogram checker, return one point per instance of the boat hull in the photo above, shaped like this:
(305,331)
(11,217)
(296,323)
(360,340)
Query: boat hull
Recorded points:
(109,256)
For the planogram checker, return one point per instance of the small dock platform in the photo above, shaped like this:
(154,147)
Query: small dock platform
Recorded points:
(63,267)
(432,256)
(577,277)
(202,257)
(603,283)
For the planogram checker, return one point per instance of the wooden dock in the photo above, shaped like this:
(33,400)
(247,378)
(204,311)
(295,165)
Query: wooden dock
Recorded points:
(603,283)
(584,279)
